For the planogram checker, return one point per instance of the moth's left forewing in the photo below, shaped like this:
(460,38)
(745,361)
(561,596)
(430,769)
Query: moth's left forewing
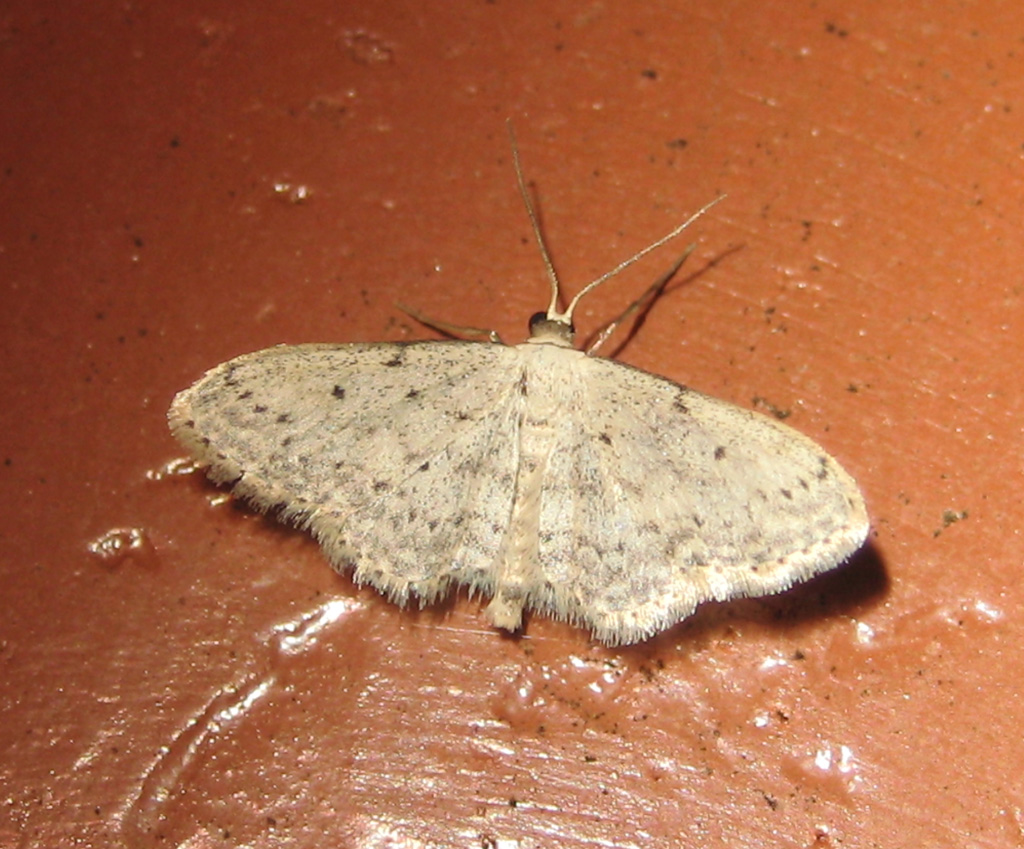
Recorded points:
(689,498)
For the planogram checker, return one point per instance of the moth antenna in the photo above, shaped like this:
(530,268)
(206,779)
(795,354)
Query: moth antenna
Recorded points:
(552,311)
(567,316)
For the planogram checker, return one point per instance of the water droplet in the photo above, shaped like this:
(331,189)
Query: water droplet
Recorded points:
(120,544)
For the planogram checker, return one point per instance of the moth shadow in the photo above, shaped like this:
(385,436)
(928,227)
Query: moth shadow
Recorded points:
(856,586)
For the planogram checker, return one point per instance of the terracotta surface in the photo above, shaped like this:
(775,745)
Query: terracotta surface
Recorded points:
(185,182)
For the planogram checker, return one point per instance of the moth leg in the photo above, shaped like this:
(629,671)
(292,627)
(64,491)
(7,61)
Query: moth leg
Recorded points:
(457,331)
(644,302)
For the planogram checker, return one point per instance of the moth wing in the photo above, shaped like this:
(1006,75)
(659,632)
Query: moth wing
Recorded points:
(659,497)
(399,457)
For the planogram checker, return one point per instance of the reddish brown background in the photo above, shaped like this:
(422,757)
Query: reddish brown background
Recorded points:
(183,182)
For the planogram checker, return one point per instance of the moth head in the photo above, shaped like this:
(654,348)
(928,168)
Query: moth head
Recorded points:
(554,330)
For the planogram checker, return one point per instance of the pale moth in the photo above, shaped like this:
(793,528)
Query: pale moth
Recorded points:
(536,474)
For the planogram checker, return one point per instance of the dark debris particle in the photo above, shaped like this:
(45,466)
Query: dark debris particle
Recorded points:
(950,517)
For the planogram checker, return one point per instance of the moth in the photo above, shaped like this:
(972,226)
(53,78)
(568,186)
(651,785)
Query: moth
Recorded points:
(537,475)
